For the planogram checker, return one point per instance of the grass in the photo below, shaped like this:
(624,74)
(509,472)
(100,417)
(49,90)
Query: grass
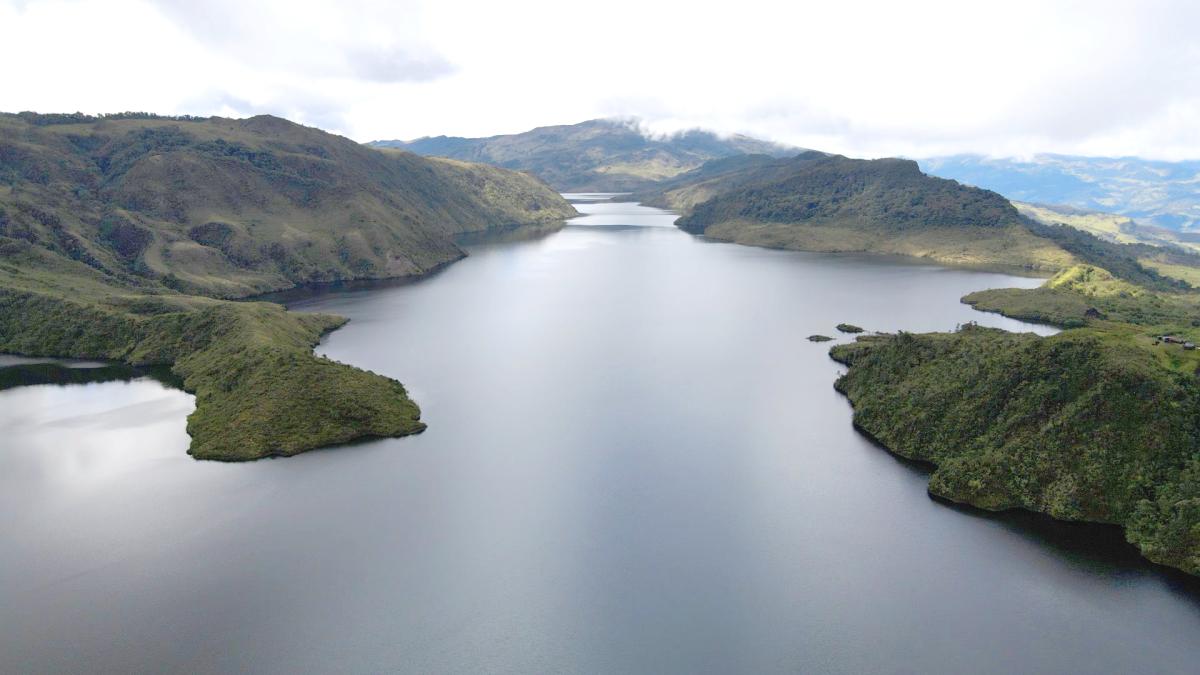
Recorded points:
(994,248)
(1110,227)
(1103,225)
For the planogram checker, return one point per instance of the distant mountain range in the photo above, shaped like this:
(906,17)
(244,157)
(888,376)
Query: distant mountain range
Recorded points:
(602,155)
(610,155)
(1166,194)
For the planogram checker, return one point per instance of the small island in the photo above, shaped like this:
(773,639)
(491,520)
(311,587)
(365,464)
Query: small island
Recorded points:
(849,328)
(819,338)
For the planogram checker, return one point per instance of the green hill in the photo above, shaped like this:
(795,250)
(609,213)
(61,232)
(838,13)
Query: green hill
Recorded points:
(1092,424)
(1097,423)
(120,235)
(234,207)
(594,156)
(820,202)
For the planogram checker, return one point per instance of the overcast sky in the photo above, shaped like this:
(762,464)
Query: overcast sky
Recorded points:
(866,79)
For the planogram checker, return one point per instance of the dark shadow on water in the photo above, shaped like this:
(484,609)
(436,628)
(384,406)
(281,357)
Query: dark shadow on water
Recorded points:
(313,290)
(493,236)
(1094,548)
(62,373)
(508,234)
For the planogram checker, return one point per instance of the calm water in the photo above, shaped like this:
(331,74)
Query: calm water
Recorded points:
(634,463)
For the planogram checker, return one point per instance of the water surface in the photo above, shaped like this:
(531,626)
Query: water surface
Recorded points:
(635,462)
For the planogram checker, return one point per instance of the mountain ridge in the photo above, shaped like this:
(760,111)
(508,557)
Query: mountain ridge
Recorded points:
(600,155)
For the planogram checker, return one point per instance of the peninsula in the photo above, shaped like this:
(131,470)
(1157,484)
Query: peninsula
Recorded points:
(130,236)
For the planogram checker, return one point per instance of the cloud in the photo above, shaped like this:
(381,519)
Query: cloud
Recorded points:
(871,78)
(393,64)
(352,39)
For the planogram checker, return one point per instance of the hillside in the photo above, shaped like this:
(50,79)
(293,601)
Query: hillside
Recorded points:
(1087,425)
(594,156)
(1096,423)
(1155,193)
(235,207)
(820,202)
(1165,251)
(119,235)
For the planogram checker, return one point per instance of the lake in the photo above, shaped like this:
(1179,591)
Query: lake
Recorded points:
(635,462)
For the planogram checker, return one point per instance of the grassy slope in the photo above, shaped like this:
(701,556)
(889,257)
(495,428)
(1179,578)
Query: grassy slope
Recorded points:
(1153,192)
(818,202)
(1097,423)
(1168,252)
(237,207)
(117,237)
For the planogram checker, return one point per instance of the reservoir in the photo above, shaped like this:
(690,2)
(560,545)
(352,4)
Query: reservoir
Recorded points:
(635,462)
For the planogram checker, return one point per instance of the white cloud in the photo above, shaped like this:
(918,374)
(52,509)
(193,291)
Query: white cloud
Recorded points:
(865,78)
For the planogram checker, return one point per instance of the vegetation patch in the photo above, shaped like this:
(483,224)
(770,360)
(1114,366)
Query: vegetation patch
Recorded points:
(260,391)
(1097,423)
(1085,425)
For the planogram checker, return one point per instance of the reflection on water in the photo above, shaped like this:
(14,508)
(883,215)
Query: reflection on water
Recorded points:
(635,462)
(18,371)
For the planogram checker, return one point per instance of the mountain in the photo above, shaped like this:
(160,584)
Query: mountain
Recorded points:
(594,156)
(821,202)
(233,207)
(120,235)
(1157,193)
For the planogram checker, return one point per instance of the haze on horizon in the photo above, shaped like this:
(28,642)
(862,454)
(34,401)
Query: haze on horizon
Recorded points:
(874,79)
